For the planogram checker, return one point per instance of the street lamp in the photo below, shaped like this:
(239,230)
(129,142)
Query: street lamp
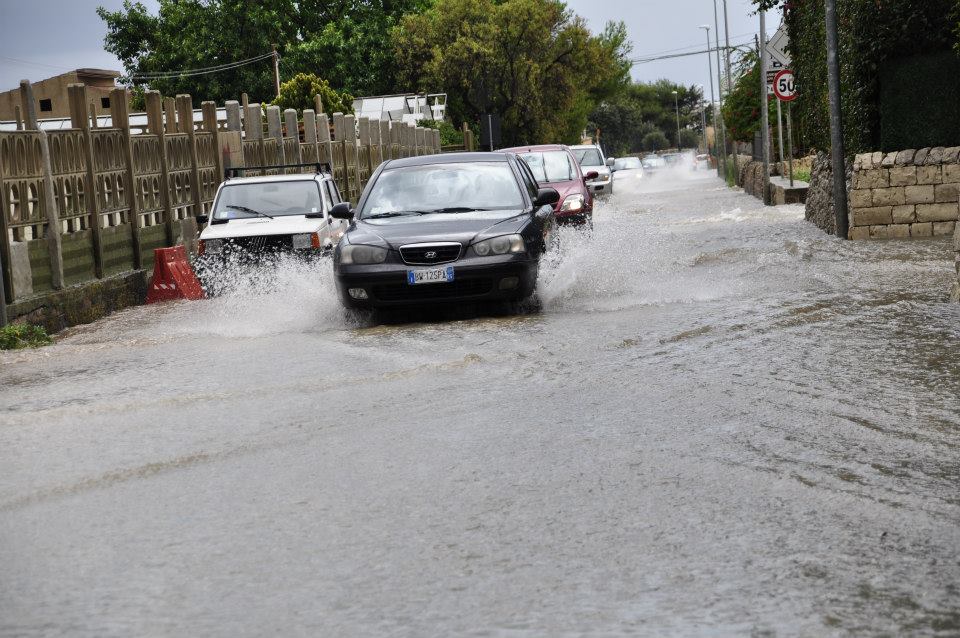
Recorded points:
(676,102)
(706,27)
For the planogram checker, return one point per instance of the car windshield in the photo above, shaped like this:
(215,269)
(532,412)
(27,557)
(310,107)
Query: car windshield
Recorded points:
(453,187)
(551,166)
(623,163)
(588,156)
(261,199)
(653,162)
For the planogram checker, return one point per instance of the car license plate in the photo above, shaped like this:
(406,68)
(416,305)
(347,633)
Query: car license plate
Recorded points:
(430,276)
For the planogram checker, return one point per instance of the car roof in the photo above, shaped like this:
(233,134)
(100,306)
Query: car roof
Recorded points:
(581,146)
(534,148)
(260,179)
(446,158)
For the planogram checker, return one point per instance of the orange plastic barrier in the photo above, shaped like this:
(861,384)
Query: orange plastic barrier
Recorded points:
(173,278)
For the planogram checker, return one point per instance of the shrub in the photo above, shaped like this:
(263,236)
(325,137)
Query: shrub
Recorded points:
(449,134)
(298,93)
(23,335)
(655,141)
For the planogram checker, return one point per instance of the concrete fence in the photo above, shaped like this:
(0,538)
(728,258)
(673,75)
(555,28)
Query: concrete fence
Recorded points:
(85,203)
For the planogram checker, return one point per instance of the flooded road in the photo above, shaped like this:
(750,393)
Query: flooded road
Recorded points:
(720,422)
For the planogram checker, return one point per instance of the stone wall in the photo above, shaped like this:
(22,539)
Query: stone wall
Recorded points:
(955,293)
(905,194)
(819,209)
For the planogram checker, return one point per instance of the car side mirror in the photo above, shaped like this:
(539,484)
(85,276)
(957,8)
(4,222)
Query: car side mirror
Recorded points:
(610,161)
(591,175)
(202,219)
(342,211)
(546,197)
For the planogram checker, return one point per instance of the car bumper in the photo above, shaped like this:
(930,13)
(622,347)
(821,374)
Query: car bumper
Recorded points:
(506,278)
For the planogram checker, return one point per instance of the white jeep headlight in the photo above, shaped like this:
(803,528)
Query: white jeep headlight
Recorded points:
(361,254)
(500,245)
(572,203)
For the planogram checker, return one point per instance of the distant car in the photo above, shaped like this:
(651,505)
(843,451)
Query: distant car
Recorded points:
(254,219)
(444,228)
(590,157)
(553,165)
(702,163)
(653,163)
(627,168)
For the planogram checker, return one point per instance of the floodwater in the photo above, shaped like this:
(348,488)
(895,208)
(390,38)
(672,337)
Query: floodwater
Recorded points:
(720,421)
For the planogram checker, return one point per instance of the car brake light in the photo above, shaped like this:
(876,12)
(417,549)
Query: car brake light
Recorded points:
(315,240)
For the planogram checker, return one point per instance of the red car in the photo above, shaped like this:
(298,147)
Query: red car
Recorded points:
(554,166)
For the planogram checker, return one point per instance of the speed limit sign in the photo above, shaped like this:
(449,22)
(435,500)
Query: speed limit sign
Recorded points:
(783,86)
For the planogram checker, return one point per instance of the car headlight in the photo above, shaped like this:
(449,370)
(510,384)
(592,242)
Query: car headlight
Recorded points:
(604,177)
(361,254)
(500,245)
(572,203)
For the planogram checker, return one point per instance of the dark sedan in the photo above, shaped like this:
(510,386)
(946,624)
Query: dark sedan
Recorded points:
(444,228)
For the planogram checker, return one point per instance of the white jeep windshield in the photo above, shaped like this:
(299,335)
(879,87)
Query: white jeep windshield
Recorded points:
(270,198)
(588,156)
(454,187)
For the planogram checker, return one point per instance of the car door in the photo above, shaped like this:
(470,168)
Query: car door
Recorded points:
(331,197)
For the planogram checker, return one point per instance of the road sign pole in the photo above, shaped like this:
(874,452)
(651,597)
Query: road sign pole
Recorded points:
(780,132)
(790,143)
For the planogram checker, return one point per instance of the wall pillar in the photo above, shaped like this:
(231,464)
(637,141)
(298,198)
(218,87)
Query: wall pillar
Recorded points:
(120,116)
(155,125)
(78,100)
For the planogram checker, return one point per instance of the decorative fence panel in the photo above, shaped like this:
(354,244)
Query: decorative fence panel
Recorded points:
(145,180)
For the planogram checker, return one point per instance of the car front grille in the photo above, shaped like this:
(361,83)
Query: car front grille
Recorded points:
(424,292)
(427,254)
(262,243)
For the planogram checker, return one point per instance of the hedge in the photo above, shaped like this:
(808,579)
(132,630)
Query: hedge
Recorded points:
(920,102)
(873,36)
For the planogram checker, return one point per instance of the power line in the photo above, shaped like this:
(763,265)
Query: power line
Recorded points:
(160,75)
(49,66)
(687,48)
(645,60)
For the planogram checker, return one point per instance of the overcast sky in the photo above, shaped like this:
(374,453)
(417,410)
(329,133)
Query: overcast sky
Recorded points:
(40,38)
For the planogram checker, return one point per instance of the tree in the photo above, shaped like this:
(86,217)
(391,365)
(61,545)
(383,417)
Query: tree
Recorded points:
(531,61)
(655,141)
(641,108)
(449,134)
(741,110)
(346,41)
(298,93)
(689,138)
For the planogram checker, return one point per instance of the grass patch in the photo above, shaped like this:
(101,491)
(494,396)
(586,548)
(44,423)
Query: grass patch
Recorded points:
(802,174)
(23,335)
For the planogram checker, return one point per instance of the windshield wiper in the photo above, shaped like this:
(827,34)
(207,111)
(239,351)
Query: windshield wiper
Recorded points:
(457,209)
(397,213)
(244,209)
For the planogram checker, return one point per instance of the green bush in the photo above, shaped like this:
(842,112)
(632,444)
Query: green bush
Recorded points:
(449,134)
(23,335)
(298,93)
(655,141)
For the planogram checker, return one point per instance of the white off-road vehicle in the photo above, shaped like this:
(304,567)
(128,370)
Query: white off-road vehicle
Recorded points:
(255,220)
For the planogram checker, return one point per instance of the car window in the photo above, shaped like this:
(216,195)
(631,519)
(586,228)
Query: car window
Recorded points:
(334,192)
(588,156)
(550,166)
(432,187)
(325,190)
(271,198)
(528,179)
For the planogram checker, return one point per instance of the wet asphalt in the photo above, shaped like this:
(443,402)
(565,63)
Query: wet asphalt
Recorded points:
(716,421)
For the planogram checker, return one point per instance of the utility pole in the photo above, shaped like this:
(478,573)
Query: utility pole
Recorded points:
(723,127)
(276,70)
(764,107)
(726,28)
(836,123)
(706,28)
(676,103)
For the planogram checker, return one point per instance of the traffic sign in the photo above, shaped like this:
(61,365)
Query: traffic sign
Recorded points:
(784,87)
(777,47)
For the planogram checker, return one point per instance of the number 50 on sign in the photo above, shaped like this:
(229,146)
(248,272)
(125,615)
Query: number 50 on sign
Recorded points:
(784,87)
